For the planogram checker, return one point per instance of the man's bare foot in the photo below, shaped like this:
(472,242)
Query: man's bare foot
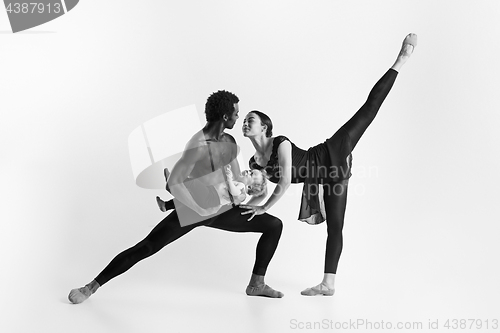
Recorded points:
(409,44)
(79,295)
(263,290)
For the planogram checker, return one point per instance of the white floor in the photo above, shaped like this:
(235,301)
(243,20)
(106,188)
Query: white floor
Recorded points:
(197,285)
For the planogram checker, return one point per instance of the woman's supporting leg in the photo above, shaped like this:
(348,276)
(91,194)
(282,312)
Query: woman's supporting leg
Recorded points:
(167,231)
(357,125)
(335,198)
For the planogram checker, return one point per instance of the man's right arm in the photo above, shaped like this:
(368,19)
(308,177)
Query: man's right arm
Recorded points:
(181,170)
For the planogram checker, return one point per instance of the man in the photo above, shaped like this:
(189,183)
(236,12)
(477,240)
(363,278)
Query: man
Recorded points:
(206,152)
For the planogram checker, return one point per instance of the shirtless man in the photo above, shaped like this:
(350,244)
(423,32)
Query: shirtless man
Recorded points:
(209,150)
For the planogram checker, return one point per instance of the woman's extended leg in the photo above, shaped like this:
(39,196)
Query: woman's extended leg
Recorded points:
(167,231)
(357,125)
(335,198)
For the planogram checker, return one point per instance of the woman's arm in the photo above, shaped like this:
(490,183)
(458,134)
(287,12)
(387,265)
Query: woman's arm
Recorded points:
(285,165)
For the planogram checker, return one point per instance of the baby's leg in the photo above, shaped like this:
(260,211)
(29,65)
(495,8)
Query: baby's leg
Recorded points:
(165,205)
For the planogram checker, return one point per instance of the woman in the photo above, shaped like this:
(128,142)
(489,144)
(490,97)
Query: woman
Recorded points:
(324,169)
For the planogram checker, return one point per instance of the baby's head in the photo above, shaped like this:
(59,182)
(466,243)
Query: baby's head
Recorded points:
(256,184)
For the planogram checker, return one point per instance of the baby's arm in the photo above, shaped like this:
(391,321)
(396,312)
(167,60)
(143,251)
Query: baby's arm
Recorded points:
(234,187)
(237,189)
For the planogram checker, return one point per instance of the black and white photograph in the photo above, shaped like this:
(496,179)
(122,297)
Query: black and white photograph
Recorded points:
(249,166)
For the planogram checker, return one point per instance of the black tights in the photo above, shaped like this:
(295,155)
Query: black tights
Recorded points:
(169,229)
(335,194)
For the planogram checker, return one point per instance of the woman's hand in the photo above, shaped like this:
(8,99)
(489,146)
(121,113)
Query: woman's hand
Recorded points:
(254,210)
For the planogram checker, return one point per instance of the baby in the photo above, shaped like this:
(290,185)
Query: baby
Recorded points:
(254,182)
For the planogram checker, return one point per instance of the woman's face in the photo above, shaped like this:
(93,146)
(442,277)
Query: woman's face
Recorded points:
(252,126)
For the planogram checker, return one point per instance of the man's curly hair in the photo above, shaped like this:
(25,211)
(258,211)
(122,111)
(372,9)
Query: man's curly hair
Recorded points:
(220,103)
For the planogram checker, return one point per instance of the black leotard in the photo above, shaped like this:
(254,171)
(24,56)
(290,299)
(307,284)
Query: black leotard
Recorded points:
(326,162)
(331,161)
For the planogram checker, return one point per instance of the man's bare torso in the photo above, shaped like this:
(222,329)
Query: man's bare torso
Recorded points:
(213,156)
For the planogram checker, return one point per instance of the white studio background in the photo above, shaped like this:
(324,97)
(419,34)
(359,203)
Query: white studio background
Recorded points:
(421,229)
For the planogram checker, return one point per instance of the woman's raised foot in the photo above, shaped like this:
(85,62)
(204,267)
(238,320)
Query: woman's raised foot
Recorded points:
(409,44)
